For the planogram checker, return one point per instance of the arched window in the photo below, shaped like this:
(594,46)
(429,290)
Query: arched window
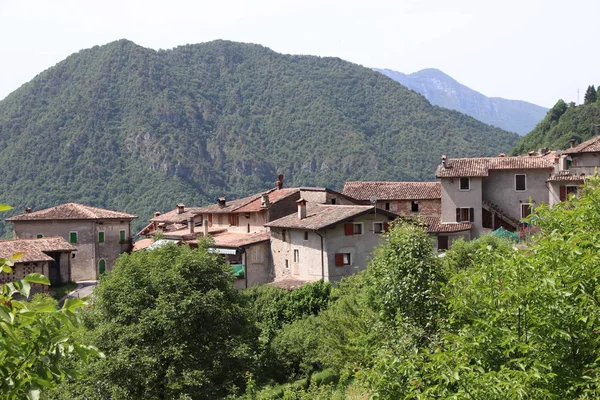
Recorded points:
(101,267)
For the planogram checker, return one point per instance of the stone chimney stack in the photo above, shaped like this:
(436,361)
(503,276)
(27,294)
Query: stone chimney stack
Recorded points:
(279,182)
(156,214)
(180,208)
(572,143)
(301,208)
(27,210)
(205,228)
(222,202)
(191,225)
(443,161)
(264,202)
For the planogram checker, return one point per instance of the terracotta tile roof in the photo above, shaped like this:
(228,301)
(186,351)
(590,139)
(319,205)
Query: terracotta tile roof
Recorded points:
(393,190)
(274,197)
(71,211)
(565,176)
(142,244)
(322,216)
(174,217)
(469,167)
(184,233)
(589,146)
(434,225)
(34,249)
(234,240)
(230,205)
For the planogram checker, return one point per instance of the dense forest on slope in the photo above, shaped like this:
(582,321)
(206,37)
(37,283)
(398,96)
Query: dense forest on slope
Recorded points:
(442,90)
(563,123)
(138,130)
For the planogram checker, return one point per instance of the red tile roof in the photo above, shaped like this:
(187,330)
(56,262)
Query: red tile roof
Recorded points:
(434,225)
(175,217)
(322,216)
(470,167)
(33,249)
(565,176)
(274,197)
(393,190)
(235,240)
(71,211)
(589,146)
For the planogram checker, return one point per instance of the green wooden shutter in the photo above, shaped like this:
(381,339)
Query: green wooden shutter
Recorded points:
(122,236)
(100,237)
(73,237)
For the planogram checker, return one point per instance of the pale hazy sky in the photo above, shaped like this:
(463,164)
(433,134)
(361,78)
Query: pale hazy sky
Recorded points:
(532,50)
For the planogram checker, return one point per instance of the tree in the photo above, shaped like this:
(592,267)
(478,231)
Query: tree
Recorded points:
(590,95)
(171,324)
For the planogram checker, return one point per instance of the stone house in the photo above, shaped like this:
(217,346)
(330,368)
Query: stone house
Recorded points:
(492,192)
(403,198)
(49,256)
(324,241)
(100,236)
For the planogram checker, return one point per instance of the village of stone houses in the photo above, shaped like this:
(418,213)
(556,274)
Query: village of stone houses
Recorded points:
(287,236)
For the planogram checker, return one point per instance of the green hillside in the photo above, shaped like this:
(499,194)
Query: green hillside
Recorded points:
(562,123)
(138,130)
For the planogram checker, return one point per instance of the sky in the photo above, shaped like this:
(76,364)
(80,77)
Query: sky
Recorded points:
(532,50)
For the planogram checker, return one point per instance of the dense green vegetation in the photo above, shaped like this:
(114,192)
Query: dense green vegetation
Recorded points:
(563,123)
(490,320)
(138,130)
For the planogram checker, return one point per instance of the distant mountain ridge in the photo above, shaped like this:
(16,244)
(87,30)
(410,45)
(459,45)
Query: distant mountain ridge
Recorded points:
(444,91)
(128,128)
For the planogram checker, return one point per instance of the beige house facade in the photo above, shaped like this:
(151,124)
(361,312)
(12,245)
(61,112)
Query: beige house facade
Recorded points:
(99,236)
(324,241)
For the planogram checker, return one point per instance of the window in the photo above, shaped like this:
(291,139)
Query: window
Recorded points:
(465,184)
(351,228)
(100,237)
(283,232)
(305,235)
(209,219)
(526,209)
(387,206)
(234,219)
(572,190)
(39,236)
(520,182)
(333,201)
(101,267)
(121,236)
(296,255)
(464,214)
(442,243)
(72,237)
(358,229)
(343,259)
(377,227)
(287,264)
(414,206)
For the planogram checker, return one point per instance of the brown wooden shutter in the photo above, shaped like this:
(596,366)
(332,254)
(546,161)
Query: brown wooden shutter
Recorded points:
(349,229)
(563,193)
(339,260)
(471,214)
(209,219)
(386,227)
(458,215)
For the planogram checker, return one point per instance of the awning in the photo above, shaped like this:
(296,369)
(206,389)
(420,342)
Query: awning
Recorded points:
(238,270)
(221,250)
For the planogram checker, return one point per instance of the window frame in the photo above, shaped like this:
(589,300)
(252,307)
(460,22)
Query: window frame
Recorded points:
(122,235)
(382,230)
(414,206)
(296,255)
(346,259)
(71,233)
(524,183)
(101,237)
(470,214)
(460,181)
(387,206)
(362,230)
(567,187)
(530,209)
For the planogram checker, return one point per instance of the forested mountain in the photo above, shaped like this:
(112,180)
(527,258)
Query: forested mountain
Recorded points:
(442,90)
(138,130)
(563,123)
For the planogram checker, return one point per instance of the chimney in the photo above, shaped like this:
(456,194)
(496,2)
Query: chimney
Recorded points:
(501,155)
(301,208)
(156,214)
(443,161)
(279,182)
(27,210)
(222,202)
(191,224)
(205,228)
(531,153)
(264,201)
(180,208)
(572,143)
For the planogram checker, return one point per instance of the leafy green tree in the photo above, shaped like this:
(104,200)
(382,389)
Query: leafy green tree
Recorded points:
(172,326)
(590,95)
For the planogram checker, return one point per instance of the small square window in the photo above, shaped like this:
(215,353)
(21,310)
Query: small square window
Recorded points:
(333,201)
(358,229)
(465,183)
(100,237)
(520,182)
(378,227)
(526,209)
(343,259)
(72,237)
(414,206)
(387,206)
(39,236)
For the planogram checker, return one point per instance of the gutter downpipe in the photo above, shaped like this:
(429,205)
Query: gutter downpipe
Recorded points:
(322,258)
